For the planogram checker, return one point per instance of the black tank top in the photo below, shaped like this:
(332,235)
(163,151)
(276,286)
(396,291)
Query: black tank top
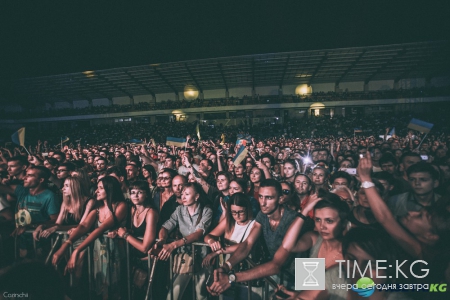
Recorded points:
(70,217)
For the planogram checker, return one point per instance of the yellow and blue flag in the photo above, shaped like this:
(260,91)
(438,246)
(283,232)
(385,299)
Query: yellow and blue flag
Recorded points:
(173,141)
(240,155)
(18,137)
(419,125)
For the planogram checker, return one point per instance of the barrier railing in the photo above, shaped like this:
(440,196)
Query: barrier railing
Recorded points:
(58,236)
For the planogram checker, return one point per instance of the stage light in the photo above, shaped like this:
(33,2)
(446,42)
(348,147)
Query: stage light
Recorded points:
(303,89)
(190,92)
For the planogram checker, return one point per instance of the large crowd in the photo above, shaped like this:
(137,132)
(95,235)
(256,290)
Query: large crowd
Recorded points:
(311,188)
(32,112)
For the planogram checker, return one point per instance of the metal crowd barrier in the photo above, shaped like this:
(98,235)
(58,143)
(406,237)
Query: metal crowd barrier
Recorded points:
(58,236)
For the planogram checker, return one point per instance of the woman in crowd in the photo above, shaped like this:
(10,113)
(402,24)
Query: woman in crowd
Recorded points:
(330,216)
(241,186)
(111,212)
(144,218)
(288,198)
(256,176)
(290,169)
(234,228)
(166,176)
(75,208)
(193,220)
(149,173)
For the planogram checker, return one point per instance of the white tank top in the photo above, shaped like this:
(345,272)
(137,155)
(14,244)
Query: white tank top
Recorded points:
(239,230)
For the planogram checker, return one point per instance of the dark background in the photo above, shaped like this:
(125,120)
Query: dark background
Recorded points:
(46,38)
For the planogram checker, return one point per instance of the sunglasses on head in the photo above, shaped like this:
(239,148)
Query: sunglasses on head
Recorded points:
(286,192)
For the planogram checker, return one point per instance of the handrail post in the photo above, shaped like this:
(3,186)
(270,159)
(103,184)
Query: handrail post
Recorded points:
(128,271)
(88,249)
(171,276)
(52,249)
(70,273)
(193,271)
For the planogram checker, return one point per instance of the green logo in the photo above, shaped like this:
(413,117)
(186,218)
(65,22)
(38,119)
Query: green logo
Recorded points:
(365,287)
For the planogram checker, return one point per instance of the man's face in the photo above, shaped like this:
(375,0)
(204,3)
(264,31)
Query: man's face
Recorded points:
(103,154)
(204,166)
(128,155)
(101,165)
(168,163)
(132,172)
(418,223)
(15,168)
(58,157)
(322,155)
(376,155)
(177,186)
(267,149)
(422,183)
(267,162)
(222,183)
(32,179)
(408,161)
(388,167)
(62,172)
(268,200)
(340,182)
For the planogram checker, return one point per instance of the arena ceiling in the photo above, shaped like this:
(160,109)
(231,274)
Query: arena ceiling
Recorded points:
(387,62)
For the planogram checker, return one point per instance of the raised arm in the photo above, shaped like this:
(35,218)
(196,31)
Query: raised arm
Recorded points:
(382,213)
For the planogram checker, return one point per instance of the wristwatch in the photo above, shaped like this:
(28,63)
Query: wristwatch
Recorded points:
(231,277)
(367,184)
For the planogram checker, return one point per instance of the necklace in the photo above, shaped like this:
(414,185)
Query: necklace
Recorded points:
(139,212)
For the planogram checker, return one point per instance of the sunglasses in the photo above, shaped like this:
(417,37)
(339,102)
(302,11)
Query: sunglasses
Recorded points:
(286,192)
(59,171)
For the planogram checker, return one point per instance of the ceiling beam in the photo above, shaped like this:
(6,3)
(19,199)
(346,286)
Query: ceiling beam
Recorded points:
(139,83)
(223,76)
(114,85)
(385,64)
(284,71)
(350,67)
(322,60)
(193,78)
(91,88)
(157,72)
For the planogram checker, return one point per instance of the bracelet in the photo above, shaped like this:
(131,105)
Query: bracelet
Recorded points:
(185,241)
(125,235)
(302,216)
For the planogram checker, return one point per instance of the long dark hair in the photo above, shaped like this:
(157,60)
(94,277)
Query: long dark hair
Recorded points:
(330,200)
(238,199)
(114,194)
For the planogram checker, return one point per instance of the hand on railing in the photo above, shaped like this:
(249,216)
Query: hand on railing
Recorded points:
(166,251)
(209,259)
(221,282)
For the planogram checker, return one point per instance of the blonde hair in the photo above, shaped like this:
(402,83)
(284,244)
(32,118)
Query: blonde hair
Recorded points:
(76,200)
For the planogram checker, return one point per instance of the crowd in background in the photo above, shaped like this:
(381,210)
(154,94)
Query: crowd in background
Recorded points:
(308,188)
(32,112)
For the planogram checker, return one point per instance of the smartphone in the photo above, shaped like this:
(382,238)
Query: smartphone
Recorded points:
(282,294)
(44,154)
(424,157)
(351,171)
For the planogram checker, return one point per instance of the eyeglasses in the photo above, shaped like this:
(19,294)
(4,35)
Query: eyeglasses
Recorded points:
(286,192)
(237,213)
(59,170)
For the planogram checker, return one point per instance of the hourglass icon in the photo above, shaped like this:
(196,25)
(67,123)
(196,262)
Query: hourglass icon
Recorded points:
(310,267)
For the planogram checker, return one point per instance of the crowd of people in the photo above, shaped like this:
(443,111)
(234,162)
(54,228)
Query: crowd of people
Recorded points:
(316,190)
(231,101)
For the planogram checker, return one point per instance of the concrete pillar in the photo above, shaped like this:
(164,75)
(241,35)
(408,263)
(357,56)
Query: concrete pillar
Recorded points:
(366,87)
(201,95)
(132,101)
(110,101)
(396,84)
(336,88)
(90,104)
(227,93)
(253,93)
(177,96)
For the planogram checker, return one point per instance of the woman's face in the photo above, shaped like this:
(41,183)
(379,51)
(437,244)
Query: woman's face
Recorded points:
(346,164)
(239,170)
(248,167)
(289,170)
(145,173)
(318,176)
(189,196)
(328,223)
(235,188)
(66,189)
(286,193)
(138,196)
(255,175)
(362,199)
(166,180)
(191,178)
(48,165)
(100,192)
(239,213)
